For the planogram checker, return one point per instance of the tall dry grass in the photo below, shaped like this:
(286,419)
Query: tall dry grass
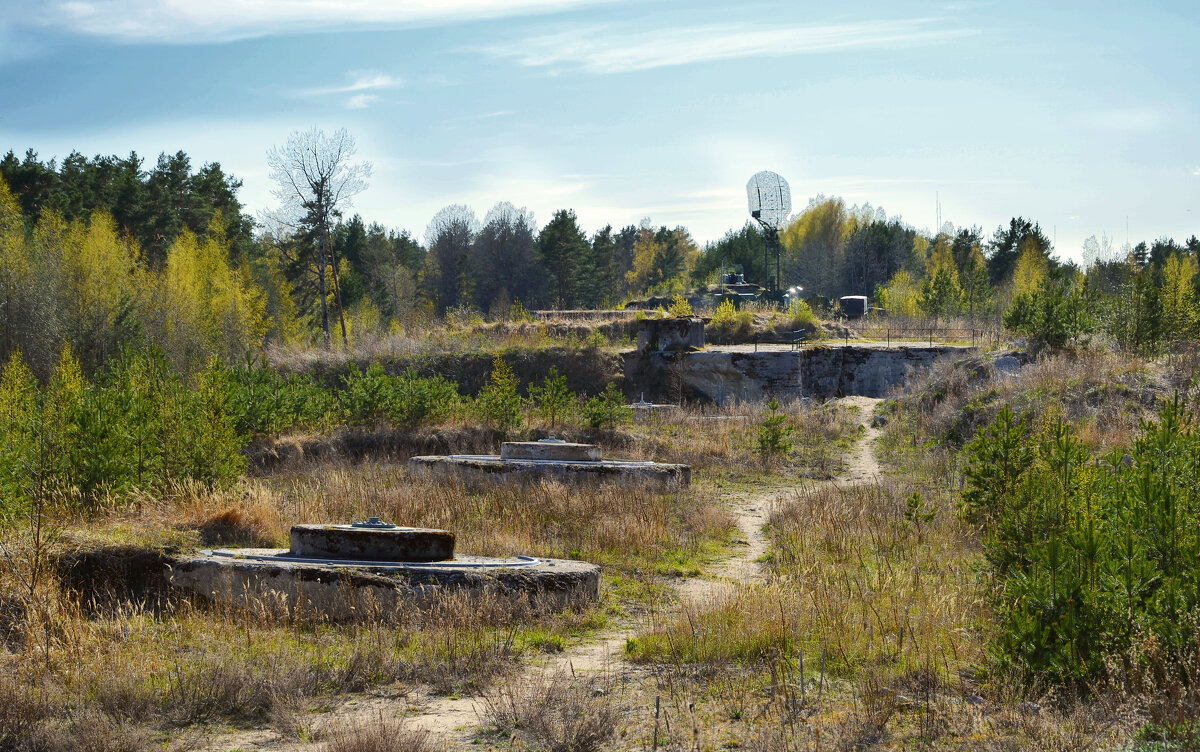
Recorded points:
(710,438)
(379,735)
(852,578)
(554,712)
(170,661)
(869,634)
(1105,395)
(720,438)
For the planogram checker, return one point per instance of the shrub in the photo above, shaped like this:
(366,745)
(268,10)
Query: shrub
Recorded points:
(775,433)
(380,735)
(264,403)
(1091,557)
(608,409)
(417,400)
(801,316)
(498,403)
(680,307)
(1051,316)
(518,314)
(728,322)
(552,398)
(725,315)
(366,396)
(138,427)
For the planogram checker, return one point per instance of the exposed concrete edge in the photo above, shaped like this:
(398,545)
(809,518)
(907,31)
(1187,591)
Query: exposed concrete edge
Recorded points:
(349,593)
(656,476)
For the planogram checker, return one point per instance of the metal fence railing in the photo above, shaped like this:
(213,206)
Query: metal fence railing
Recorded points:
(976,337)
(933,334)
(795,339)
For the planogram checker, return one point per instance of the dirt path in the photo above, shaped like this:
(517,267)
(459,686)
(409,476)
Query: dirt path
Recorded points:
(453,720)
(863,466)
(449,718)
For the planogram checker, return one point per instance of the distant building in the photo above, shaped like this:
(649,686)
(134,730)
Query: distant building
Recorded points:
(853,306)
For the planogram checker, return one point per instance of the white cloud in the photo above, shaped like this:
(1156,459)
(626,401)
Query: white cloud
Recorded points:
(360,84)
(1196,171)
(615,51)
(361,101)
(360,81)
(197,21)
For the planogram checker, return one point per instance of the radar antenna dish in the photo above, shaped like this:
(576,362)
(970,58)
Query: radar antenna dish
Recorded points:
(770,199)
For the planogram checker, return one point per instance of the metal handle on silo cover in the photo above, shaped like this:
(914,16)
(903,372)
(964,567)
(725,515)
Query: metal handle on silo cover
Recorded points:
(375,523)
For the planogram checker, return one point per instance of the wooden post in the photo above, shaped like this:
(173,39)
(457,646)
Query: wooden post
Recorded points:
(657,708)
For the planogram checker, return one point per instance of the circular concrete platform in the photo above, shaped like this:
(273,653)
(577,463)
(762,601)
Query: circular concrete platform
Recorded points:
(659,477)
(340,589)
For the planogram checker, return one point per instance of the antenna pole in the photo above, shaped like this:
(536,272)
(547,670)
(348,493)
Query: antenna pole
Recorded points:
(778,249)
(766,257)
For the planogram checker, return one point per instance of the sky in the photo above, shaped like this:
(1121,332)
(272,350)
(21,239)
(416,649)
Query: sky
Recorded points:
(1082,116)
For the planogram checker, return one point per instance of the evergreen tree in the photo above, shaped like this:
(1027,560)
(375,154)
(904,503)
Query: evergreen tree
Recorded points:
(976,289)
(446,273)
(940,291)
(563,251)
(602,287)
(504,260)
(738,251)
(1008,243)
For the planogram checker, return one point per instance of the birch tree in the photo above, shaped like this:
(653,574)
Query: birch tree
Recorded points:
(315,180)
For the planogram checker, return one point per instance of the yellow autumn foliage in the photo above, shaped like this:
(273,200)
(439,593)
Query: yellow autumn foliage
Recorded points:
(1030,271)
(206,307)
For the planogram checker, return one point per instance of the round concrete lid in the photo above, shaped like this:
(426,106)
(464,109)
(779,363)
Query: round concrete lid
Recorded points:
(372,542)
(556,449)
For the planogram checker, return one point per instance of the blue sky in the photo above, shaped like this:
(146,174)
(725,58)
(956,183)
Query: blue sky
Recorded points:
(1076,115)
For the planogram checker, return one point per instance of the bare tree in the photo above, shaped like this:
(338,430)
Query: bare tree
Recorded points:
(314,181)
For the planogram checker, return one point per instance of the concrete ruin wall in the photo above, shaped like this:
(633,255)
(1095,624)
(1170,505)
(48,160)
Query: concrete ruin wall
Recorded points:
(656,335)
(819,372)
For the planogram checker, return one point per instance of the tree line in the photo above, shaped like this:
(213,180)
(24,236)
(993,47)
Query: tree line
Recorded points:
(102,251)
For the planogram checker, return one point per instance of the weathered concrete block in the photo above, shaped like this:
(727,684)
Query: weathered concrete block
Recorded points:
(546,449)
(485,469)
(655,335)
(371,544)
(1007,365)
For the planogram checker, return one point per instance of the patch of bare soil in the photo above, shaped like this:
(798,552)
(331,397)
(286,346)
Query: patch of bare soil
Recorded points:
(454,720)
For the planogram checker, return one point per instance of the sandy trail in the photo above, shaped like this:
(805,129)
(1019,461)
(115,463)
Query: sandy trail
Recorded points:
(453,720)
(448,718)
